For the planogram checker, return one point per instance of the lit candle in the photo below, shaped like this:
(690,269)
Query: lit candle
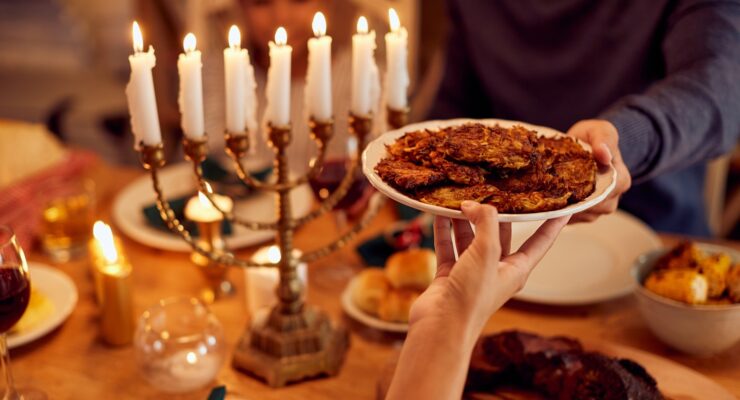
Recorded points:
(235,64)
(318,76)
(396,74)
(277,111)
(200,208)
(113,282)
(365,84)
(142,104)
(262,281)
(190,98)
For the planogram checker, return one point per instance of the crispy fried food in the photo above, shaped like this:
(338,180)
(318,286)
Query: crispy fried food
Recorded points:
(453,196)
(510,168)
(495,146)
(406,175)
(528,202)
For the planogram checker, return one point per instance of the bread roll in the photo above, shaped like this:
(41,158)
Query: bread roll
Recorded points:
(411,269)
(372,286)
(395,306)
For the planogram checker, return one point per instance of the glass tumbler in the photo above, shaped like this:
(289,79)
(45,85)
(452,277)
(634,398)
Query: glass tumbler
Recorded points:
(179,345)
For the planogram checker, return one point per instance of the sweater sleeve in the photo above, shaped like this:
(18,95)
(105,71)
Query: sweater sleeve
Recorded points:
(693,114)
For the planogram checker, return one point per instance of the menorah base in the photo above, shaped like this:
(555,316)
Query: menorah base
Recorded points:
(286,348)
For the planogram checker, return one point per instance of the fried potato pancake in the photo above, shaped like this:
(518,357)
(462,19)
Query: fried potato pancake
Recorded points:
(406,175)
(493,146)
(453,196)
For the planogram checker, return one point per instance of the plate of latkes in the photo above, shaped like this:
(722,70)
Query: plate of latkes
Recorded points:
(528,172)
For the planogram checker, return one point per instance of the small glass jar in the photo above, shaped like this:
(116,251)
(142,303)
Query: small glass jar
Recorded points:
(179,345)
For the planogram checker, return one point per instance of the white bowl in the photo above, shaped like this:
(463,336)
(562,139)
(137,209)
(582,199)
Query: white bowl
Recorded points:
(696,330)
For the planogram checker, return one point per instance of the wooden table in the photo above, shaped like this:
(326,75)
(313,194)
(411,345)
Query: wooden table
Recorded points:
(72,363)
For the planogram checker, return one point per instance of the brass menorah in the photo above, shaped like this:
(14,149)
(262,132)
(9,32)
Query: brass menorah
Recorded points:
(295,341)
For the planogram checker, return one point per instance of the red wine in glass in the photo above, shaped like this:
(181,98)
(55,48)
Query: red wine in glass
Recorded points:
(15,291)
(331,176)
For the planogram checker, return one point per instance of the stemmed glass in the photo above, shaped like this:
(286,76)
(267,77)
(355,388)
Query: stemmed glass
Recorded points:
(15,291)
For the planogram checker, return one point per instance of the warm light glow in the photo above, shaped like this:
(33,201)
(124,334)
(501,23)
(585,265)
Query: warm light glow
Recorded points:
(191,358)
(235,37)
(362,25)
(104,236)
(273,254)
(138,39)
(189,43)
(393,19)
(319,24)
(204,199)
(281,36)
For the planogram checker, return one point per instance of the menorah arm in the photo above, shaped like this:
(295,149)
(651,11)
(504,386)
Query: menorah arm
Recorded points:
(374,205)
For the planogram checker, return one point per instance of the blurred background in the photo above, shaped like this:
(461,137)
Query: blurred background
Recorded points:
(65,65)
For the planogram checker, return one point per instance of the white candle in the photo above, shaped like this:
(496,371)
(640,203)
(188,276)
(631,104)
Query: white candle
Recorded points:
(278,80)
(235,64)
(190,98)
(200,208)
(318,76)
(263,281)
(365,84)
(142,104)
(250,101)
(396,74)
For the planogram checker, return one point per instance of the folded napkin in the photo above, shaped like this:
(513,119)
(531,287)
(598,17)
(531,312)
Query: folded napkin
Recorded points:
(411,231)
(222,181)
(22,203)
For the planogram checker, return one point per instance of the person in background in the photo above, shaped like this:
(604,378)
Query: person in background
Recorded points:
(653,86)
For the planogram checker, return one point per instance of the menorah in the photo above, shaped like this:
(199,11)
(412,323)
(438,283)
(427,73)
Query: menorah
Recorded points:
(295,341)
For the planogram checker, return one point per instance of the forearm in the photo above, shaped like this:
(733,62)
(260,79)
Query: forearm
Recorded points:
(434,361)
(690,116)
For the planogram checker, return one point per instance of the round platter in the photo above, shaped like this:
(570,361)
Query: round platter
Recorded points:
(178,180)
(589,262)
(376,151)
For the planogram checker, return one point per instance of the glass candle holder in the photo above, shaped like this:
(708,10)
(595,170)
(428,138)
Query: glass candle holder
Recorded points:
(179,345)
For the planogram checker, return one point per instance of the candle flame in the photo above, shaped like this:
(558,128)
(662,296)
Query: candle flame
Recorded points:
(319,24)
(393,19)
(362,25)
(273,255)
(281,36)
(191,358)
(104,236)
(188,44)
(235,37)
(204,199)
(138,38)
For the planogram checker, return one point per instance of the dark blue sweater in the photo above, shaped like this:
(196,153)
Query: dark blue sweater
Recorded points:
(665,73)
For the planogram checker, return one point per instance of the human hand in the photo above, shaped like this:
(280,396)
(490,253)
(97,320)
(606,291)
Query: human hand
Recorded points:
(603,138)
(467,291)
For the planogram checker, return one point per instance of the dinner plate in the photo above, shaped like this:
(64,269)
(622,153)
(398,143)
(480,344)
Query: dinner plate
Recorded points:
(59,290)
(376,151)
(177,180)
(589,262)
(355,313)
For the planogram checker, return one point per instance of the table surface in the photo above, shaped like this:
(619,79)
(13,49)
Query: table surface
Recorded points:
(72,363)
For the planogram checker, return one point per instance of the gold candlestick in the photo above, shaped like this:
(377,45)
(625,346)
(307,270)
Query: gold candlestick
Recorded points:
(210,238)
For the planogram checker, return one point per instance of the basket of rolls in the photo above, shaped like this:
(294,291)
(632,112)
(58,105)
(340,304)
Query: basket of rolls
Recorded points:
(382,297)
(689,291)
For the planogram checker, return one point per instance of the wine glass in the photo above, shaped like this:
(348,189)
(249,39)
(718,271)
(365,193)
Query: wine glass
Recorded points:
(15,291)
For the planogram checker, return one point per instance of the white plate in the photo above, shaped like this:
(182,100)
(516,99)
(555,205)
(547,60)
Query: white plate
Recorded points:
(589,262)
(61,292)
(358,315)
(178,180)
(376,151)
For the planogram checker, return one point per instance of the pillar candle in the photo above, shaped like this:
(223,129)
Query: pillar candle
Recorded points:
(277,111)
(235,63)
(318,76)
(396,74)
(142,104)
(190,98)
(365,84)
(262,282)
(200,208)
